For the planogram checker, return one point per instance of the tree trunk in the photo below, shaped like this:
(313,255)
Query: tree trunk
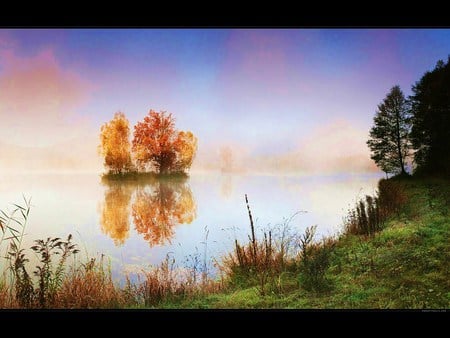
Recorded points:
(163,164)
(399,148)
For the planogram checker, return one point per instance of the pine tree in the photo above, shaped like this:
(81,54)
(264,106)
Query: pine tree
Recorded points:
(430,133)
(389,137)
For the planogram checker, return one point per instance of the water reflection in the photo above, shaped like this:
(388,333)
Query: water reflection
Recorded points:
(115,212)
(226,186)
(157,206)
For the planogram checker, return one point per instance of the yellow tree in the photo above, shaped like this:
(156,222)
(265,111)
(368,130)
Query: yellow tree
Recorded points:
(186,148)
(115,144)
(115,212)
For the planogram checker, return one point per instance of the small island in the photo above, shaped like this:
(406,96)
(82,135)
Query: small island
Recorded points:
(157,150)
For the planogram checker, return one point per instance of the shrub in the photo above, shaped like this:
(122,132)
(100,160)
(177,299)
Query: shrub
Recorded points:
(314,261)
(370,213)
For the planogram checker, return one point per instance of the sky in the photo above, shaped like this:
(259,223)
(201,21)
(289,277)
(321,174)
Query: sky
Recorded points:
(284,100)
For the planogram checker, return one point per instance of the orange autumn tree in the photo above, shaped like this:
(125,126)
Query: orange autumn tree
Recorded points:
(159,146)
(115,144)
(159,207)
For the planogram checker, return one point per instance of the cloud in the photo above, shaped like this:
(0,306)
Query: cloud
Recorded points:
(40,103)
(39,99)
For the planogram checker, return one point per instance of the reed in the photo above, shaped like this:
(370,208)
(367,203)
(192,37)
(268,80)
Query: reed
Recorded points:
(90,286)
(261,260)
(167,282)
(370,213)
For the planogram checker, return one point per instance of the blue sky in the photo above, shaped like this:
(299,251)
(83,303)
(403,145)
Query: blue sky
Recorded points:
(266,92)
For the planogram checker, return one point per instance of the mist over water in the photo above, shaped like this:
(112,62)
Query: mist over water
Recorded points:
(136,224)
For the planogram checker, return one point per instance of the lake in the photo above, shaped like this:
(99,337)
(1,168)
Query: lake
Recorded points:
(136,224)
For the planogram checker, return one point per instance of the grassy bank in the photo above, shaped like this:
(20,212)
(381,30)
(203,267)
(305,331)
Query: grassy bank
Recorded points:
(404,265)
(393,253)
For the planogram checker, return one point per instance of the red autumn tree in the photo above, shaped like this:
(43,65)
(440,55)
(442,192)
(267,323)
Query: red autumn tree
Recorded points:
(158,145)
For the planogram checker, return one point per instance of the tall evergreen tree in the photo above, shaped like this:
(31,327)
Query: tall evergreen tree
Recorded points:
(389,137)
(430,134)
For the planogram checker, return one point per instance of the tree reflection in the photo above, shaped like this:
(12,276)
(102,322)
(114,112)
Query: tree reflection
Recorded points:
(160,206)
(115,212)
(226,187)
(157,206)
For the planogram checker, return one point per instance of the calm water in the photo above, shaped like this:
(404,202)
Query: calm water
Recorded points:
(138,224)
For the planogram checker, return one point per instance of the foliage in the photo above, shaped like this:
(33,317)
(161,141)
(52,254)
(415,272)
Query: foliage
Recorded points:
(365,219)
(263,262)
(50,276)
(391,197)
(185,148)
(256,258)
(314,261)
(12,225)
(158,145)
(13,228)
(371,213)
(115,144)
(389,137)
(431,120)
(115,212)
(23,284)
(157,208)
(90,285)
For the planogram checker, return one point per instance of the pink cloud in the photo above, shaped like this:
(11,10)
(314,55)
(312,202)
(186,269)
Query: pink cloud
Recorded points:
(38,98)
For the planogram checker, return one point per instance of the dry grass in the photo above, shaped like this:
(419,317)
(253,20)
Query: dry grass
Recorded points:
(391,197)
(162,282)
(89,286)
(167,282)
(264,259)
(280,252)
(6,301)
(370,213)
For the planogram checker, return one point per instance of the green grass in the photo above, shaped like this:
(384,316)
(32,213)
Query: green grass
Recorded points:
(405,265)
